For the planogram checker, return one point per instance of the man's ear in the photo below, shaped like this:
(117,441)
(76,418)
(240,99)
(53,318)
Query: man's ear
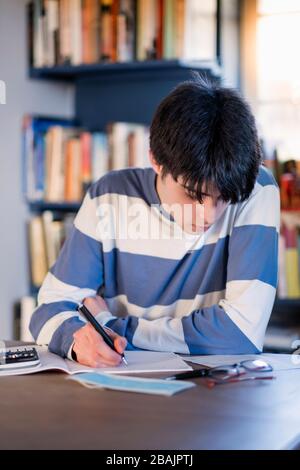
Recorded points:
(156,167)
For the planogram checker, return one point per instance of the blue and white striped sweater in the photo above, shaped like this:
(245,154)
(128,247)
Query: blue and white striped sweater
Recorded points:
(208,294)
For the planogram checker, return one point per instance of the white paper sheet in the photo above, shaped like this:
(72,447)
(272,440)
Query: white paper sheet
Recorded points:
(145,361)
(138,362)
(277,361)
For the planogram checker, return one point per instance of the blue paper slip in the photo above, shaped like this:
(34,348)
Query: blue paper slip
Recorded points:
(132,384)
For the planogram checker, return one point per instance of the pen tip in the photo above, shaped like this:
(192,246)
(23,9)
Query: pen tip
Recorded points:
(124,360)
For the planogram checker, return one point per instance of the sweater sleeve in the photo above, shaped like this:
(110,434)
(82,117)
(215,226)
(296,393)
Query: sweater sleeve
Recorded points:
(77,273)
(238,322)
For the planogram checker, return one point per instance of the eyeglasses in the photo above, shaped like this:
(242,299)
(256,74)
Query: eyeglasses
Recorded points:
(237,372)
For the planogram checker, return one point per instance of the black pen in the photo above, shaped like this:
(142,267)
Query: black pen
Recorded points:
(107,339)
(191,374)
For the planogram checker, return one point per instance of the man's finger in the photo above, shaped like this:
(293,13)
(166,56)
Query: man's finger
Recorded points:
(120,344)
(103,350)
(107,352)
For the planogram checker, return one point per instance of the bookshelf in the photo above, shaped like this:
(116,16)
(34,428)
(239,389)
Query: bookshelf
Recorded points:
(284,326)
(40,206)
(113,92)
(120,53)
(150,67)
(119,88)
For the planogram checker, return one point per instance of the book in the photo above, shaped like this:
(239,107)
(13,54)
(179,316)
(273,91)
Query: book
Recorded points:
(147,29)
(169,24)
(74,177)
(37,251)
(76,32)
(126,31)
(90,31)
(292,273)
(64,32)
(289,275)
(85,176)
(51,26)
(107,31)
(51,254)
(282,281)
(100,155)
(138,362)
(54,191)
(27,306)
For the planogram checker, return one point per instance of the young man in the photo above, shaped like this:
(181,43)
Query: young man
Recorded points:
(179,257)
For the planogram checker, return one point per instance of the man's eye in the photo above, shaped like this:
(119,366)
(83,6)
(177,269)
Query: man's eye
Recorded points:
(191,195)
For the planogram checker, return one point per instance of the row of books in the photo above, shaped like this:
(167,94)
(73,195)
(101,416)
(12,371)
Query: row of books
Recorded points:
(289,257)
(48,231)
(89,31)
(46,235)
(61,160)
(287,175)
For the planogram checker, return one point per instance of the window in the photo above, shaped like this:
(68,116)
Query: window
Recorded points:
(278,75)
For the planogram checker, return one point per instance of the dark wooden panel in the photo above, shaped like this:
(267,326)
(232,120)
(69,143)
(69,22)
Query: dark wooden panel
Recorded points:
(48,411)
(126,96)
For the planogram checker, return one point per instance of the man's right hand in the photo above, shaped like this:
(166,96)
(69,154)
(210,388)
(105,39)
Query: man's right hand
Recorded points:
(92,351)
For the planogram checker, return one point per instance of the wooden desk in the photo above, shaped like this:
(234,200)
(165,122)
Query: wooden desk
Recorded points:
(48,411)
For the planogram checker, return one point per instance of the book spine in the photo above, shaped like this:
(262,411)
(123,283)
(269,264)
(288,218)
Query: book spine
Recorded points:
(169,30)
(107,31)
(30,33)
(28,304)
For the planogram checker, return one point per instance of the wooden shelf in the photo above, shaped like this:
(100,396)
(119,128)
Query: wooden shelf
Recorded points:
(34,290)
(152,67)
(40,206)
(290,211)
(286,312)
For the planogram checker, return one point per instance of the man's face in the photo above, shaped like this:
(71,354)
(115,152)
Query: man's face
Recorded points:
(192,216)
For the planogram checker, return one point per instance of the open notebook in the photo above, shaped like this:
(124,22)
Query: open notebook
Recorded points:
(138,362)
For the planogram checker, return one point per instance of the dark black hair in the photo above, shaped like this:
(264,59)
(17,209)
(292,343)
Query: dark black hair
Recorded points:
(206,134)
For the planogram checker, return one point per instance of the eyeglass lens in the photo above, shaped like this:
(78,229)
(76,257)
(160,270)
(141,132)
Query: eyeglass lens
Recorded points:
(257,365)
(227,372)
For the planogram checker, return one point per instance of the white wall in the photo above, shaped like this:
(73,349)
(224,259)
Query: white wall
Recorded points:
(22,96)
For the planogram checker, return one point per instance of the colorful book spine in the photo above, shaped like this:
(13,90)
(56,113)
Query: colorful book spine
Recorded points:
(289,263)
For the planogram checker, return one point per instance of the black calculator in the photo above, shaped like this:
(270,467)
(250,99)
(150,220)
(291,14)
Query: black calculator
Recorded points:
(18,356)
